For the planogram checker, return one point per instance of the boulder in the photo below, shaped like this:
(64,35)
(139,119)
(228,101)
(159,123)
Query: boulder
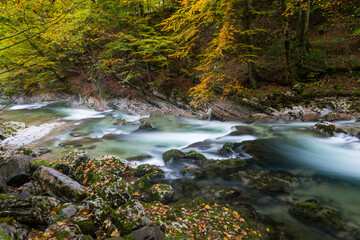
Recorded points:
(31,188)
(313,213)
(148,170)
(138,157)
(145,126)
(115,193)
(332,129)
(230,149)
(195,158)
(162,192)
(120,122)
(223,168)
(193,172)
(148,232)
(65,230)
(16,169)
(70,210)
(130,217)
(12,229)
(99,207)
(173,155)
(275,182)
(33,210)
(3,186)
(42,151)
(59,185)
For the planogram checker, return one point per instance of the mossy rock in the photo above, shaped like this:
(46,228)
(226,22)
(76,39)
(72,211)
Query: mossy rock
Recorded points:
(195,157)
(130,217)
(230,149)
(259,150)
(193,172)
(173,155)
(86,227)
(115,193)
(313,213)
(25,151)
(275,182)
(39,162)
(162,192)
(148,170)
(224,168)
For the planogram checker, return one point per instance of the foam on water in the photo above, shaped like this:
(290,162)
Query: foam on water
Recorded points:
(81,113)
(28,106)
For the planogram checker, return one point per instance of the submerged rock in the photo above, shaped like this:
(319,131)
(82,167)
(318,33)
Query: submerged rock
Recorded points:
(315,214)
(138,157)
(230,149)
(275,182)
(32,211)
(224,168)
(59,185)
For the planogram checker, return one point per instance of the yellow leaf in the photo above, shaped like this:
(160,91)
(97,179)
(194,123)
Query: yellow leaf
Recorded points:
(207,207)
(115,233)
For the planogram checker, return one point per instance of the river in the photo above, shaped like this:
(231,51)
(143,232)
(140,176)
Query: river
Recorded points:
(328,167)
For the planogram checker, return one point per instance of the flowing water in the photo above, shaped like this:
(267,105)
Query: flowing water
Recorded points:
(328,167)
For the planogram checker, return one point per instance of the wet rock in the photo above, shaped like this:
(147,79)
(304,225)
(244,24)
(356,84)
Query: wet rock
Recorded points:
(138,157)
(15,170)
(59,185)
(115,193)
(145,126)
(331,129)
(32,188)
(148,232)
(275,182)
(12,229)
(259,150)
(193,172)
(32,211)
(42,151)
(79,142)
(162,192)
(173,155)
(148,170)
(195,157)
(311,212)
(244,130)
(121,122)
(3,186)
(77,134)
(224,168)
(230,149)
(130,217)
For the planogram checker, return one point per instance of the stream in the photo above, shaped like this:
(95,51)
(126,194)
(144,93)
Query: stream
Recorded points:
(328,168)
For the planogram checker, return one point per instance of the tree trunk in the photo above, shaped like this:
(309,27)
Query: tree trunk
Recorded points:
(303,27)
(285,22)
(247,19)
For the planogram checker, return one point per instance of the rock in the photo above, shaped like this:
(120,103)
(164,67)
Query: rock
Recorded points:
(15,170)
(313,213)
(59,185)
(230,149)
(33,211)
(79,142)
(130,217)
(195,157)
(65,230)
(275,182)
(173,155)
(162,192)
(145,126)
(77,134)
(148,232)
(99,207)
(259,150)
(12,229)
(32,188)
(137,157)
(243,130)
(70,211)
(149,171)
(42,151)
(332,129)
(3,186)
(224,168)
(193,172)
(115,193)
(121,122)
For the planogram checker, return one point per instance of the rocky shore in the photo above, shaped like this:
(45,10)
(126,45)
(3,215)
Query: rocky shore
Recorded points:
(79,197)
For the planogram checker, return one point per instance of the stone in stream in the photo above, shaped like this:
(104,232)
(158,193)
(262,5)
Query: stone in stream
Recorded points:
(59,185)
(173,155)
(42,151)
(121,122)
(32,211)
(313,213)
(12,229)
(15,170)
(145,126)
(148,170)
(230,149)
(275,182)
(224,168)
(138,157)
(332,129)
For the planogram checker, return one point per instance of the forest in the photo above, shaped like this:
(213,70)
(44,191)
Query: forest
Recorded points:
(194,50)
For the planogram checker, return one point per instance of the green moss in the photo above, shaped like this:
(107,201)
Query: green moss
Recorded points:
(40,162)
(233,162)
(61,235)
(173,154)
(195,156)
(86,227)
(4,197)
(7,220)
